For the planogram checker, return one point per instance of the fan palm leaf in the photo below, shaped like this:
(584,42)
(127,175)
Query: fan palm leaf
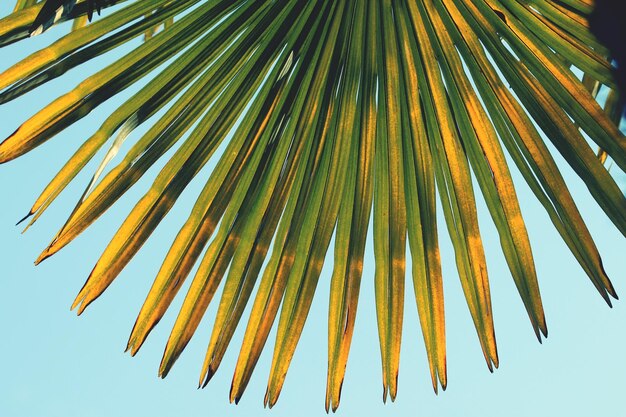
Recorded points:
(324,117)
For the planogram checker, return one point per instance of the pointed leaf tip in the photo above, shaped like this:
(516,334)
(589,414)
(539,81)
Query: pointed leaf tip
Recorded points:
(231,394)
(205,379)
(30,213)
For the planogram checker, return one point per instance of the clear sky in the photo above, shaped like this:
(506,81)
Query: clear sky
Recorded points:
(55,364)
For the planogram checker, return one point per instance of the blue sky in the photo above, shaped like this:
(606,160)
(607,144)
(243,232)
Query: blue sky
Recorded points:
(56,364)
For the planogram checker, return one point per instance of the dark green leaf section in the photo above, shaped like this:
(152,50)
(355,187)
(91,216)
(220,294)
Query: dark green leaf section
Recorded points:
(332,115)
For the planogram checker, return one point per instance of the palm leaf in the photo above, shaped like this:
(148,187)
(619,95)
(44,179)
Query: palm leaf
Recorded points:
(331,114)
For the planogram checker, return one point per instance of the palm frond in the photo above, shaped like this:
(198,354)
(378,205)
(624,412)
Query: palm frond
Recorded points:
(332,116)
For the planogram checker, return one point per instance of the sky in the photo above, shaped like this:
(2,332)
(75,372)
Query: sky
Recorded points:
(57,364)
